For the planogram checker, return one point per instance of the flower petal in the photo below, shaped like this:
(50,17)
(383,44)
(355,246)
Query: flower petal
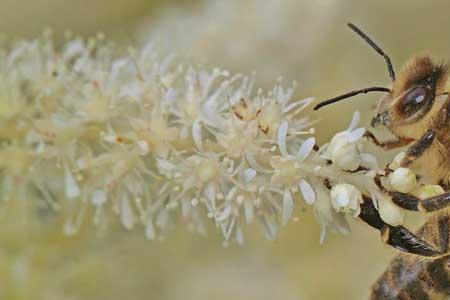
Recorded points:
(355,121)
(126,213)
(355,135)
(71,187)
(307,192)
(288,207)
(282,135)
(306,148)
(197,135)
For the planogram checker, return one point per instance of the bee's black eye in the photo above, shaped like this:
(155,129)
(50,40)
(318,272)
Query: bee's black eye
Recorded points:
(415,99)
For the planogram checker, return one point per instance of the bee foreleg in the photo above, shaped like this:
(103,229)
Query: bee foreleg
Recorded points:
(370,214)
(418,148)
(398,237)
(389,144)
(410,202)
(405,201)
(404,240)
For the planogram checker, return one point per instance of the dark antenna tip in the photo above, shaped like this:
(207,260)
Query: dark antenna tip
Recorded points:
(365,90)
(375,47)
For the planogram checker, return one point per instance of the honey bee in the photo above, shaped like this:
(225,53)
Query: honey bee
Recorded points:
(416,110)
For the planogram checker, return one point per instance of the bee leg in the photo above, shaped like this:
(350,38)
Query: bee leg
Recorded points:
(370,214)
(418,148)
(387,145)
(410,202)
(397,237)
(404,240)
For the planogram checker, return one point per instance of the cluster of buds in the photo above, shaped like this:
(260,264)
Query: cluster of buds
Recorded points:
(346,153)
(404,180)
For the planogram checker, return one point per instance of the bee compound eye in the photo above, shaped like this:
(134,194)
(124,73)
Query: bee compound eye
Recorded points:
(415,99)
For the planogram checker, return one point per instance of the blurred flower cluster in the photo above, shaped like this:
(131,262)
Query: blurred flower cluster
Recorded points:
(240,35)
(100,132)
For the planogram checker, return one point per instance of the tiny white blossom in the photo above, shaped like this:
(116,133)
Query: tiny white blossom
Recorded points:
(403,180)
(343,149)
(389,212)
(288,206)
(346,198)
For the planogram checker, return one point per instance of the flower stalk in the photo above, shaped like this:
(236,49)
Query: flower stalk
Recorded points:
(152,141)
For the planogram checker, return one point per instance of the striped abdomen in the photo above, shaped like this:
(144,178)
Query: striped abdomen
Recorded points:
(415,277)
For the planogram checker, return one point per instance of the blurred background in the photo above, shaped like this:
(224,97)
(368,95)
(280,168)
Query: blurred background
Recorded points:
(304,41)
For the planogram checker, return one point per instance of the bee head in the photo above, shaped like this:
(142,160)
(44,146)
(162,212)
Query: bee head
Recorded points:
(412,104)
(412,99)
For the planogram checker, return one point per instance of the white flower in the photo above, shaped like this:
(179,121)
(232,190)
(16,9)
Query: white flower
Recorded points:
(403,180)
(346,198)
(343,149)
(151,141)
(239,139)
(347,157)
(201,103)
(389,212)
(327,216)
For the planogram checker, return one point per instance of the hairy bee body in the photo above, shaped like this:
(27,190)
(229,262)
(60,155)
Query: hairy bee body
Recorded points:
(409,276)
(416,110)
(412,277)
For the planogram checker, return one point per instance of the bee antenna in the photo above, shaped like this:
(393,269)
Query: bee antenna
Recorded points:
(376,48)
(351,94)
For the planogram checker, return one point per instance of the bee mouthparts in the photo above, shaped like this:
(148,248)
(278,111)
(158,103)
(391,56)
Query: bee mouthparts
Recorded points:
(381,119)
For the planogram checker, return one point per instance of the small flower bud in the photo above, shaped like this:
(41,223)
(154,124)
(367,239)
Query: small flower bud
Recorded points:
(403,180)
(390,213)
(347,157)
(427,190)
(346,198)
(344,154)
